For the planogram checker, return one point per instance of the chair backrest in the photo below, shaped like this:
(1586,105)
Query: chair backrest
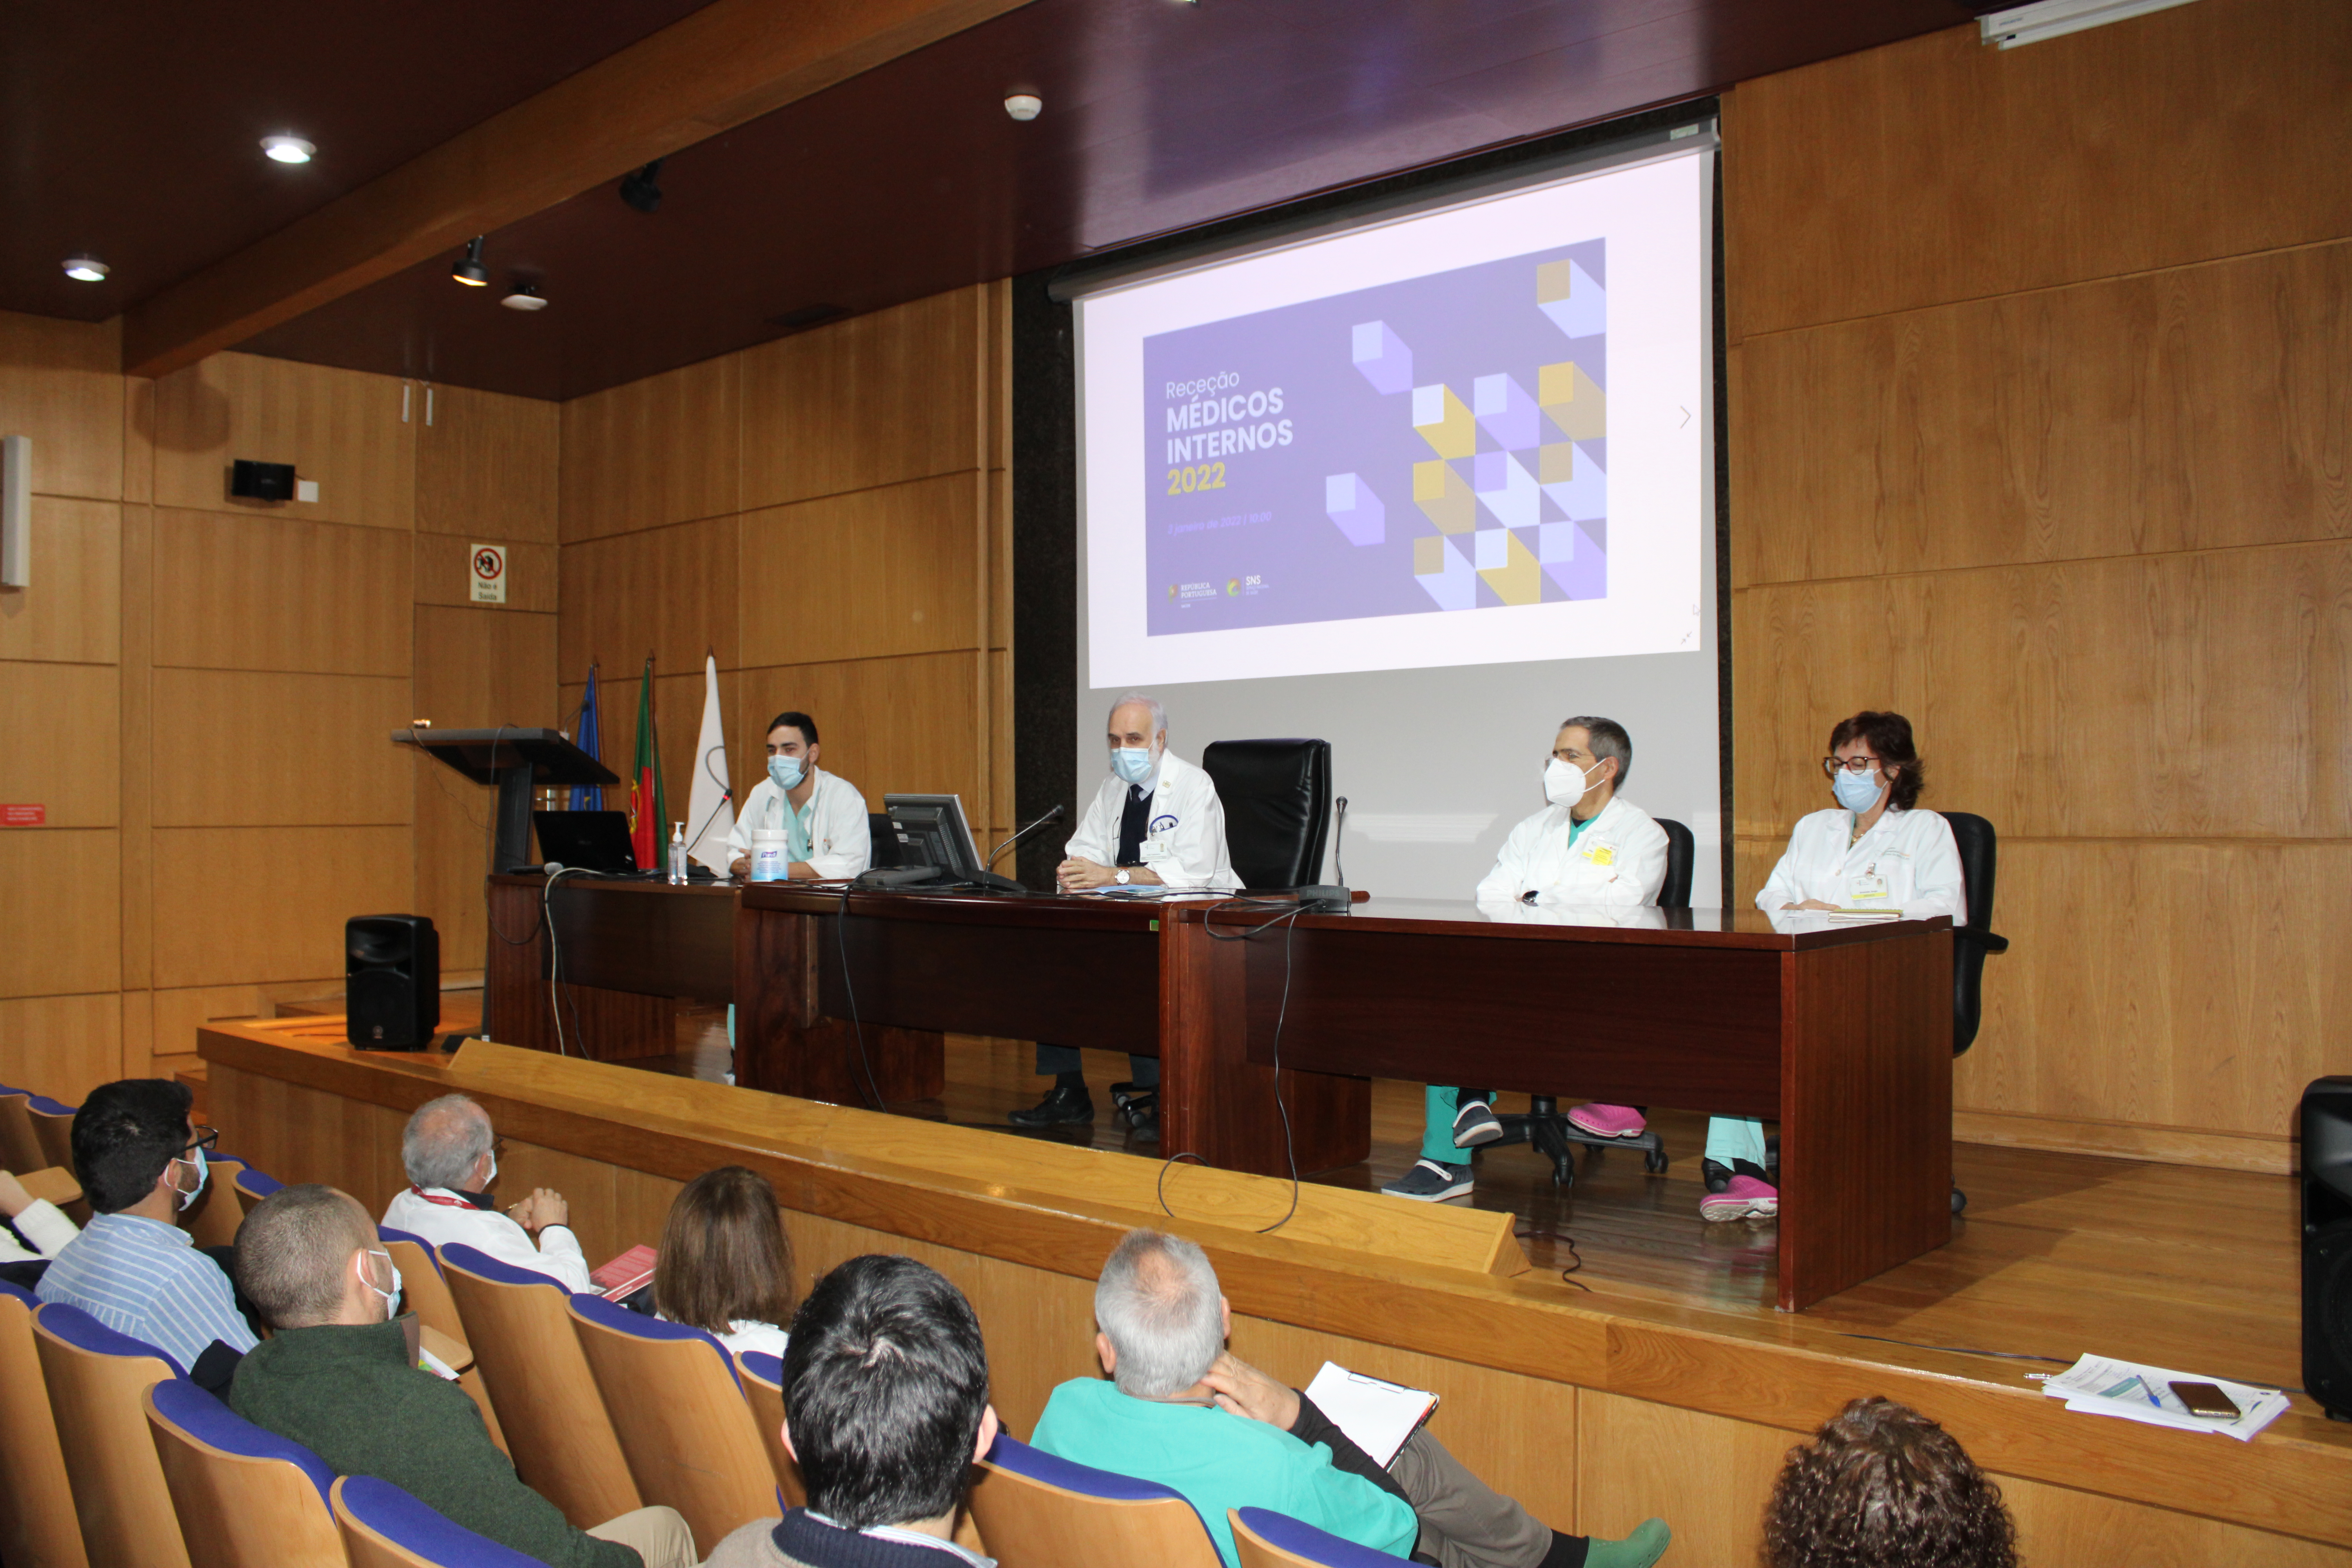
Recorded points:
(427,1293)
(690,1439)
(52,1129)
(1979,851)
(384,1527)
(1033,1508)
(246,1497)
(213,1218)
(554,1420)
(1277,796)
(1265,1539)
(254,1186)
(763,1391)
(20,1146)
(1674,893)
(98,1381)
(37,1517)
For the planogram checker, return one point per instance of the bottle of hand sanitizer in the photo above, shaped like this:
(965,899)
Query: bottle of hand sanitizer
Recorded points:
(678,854)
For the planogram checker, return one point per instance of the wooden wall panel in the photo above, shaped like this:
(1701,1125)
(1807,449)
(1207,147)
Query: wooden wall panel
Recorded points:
(286,748)
(63,745)
(867,712)
(2125,697)
(867,402)
(340,427)
(62,1046)
(666,592)
(60,383)
(243,905)
(177,1015)
(2179,410)
(270,592)
(475,670)
(1938,170)
(652,452)
(72,611)
(445,573)
(861,576)
(72,944)
(486,465)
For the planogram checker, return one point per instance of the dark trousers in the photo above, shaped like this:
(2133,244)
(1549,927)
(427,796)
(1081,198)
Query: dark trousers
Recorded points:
(1052,1060)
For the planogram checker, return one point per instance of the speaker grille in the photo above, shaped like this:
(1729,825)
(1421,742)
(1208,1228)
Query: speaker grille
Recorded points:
(2327,1314)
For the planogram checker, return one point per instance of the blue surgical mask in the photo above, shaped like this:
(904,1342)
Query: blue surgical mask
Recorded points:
(391,1296)
(1855,792)
(1132,764)
(197,1159)
(785,771)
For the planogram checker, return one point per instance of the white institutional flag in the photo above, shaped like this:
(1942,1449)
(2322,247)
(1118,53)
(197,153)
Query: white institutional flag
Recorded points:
(710,809)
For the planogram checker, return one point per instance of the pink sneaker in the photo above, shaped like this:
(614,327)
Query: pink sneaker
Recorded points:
(1609,1121)
(1744,1198)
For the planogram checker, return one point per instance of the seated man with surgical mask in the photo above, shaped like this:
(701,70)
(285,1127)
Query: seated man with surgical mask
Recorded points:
(141,1160)
(823,813)
(451,1155)
(1588,847)
(339,1376)
(1155,822)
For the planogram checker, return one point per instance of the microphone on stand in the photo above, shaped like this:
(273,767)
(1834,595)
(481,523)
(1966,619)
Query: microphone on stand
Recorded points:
(1056,815)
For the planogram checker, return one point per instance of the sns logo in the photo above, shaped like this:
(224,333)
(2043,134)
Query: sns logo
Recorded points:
(1233,587)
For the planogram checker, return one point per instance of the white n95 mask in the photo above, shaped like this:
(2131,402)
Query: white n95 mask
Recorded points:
(391,1297)
(1565,783)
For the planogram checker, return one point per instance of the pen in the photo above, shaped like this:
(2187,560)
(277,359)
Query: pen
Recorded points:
(2152,1398)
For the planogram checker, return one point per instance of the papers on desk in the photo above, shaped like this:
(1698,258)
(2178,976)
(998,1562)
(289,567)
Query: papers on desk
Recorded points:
(1856,914)
(2102,1386)
(1377,1416)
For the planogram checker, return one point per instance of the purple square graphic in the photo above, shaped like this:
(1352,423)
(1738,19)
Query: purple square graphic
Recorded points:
(1506,411)
(1382,357)
(1350,503)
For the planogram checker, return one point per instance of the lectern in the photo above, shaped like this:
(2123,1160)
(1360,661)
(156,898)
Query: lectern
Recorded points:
(517,761)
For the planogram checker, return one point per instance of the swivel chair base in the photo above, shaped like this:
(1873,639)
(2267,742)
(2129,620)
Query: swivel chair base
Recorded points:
(1553,1135)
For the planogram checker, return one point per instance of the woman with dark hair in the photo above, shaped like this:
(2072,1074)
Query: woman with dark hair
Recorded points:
(1874,852)
(725,1264)
(1881,1486)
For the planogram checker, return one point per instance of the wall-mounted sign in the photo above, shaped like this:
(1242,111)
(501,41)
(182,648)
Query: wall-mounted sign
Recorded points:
(35,815)
(487,574)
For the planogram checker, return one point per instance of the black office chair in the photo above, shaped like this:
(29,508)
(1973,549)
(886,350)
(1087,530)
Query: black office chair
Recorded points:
(1544,1125)
(1277,796)
(1979,849)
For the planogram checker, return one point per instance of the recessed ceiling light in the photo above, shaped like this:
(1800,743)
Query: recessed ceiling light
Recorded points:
(85,270)
(525,297)
(1023,105)
(288,149)
(470,269)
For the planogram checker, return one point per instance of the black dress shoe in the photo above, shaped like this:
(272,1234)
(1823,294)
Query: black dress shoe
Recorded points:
(1062,1108)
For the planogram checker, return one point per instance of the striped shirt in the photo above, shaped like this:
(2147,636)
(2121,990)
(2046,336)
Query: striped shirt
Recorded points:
(145,1278)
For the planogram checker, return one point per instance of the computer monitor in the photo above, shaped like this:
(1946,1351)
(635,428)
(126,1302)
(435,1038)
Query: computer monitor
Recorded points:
(592,841)
(931,831)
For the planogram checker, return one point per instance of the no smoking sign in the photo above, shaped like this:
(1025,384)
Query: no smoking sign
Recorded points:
(487,574)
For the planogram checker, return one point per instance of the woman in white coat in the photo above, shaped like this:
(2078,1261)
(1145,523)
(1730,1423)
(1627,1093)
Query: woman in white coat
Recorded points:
(1873,850)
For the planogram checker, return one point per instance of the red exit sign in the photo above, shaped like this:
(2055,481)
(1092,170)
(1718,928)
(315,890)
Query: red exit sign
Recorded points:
(23,815)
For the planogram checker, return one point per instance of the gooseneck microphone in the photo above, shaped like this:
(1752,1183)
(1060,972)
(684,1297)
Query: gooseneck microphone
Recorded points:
(1056,815)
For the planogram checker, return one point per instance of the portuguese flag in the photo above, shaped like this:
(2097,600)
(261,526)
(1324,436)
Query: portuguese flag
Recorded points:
(648,807)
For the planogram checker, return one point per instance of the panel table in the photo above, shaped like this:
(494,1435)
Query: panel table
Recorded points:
(629,952)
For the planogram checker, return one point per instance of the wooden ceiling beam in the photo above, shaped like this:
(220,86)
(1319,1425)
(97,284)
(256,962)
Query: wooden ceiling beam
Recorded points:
(724,65)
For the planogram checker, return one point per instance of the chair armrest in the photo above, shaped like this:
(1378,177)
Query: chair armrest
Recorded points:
(55,1184)
(1983,938)
(456,1353)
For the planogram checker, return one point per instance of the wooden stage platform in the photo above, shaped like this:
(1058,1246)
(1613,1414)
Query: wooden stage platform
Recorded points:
(1655,1378)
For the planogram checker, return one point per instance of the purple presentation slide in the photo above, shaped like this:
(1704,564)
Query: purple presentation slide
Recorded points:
(1438,443)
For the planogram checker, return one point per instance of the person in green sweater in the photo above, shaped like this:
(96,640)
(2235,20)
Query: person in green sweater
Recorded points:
(340,1378)
(1185,1413)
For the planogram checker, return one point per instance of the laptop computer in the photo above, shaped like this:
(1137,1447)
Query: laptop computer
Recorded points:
(592,841)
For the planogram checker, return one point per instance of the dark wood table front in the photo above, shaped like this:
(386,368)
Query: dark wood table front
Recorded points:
(627,952)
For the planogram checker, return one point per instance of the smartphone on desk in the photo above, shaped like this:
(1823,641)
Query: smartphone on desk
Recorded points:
(2205,1399)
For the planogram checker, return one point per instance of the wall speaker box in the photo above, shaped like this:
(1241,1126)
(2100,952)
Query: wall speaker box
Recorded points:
(392,981)
(2327,1245)
(249,480)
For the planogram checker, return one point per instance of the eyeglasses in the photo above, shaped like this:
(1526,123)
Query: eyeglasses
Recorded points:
(1568,753)
(1851,765)
(207,1139)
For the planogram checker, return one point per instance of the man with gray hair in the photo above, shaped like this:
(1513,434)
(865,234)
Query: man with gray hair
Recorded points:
(1155,822)
(452,1158)
(1187,1414)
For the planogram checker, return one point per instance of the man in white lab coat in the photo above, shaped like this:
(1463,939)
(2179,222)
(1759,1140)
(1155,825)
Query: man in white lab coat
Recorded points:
(451,1156)
(1588,847)
(823,812)
(1155,822)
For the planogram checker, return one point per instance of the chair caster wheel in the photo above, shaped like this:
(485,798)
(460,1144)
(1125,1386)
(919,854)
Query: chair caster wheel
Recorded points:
(1959,1201)
(1654,1162)
(1563,1173)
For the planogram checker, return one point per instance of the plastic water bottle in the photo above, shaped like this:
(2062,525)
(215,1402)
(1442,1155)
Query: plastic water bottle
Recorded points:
(677,854)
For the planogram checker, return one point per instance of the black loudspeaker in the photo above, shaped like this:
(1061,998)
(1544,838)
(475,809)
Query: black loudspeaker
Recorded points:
(392,981)
(250,480)
(2327,1245)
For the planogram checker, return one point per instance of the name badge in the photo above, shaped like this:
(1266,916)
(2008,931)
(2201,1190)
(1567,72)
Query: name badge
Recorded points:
(1868,888)
(1602,855)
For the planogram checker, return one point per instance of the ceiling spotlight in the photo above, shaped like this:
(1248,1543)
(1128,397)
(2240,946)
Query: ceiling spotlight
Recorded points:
(469,270)
(85,270)
(641,188)
(288,149)
(1023,105)
(525,296)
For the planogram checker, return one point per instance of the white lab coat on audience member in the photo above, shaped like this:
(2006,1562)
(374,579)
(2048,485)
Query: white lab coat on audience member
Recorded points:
(557,1254)
(1912,851)
(44,1228)
(840,842)
(1183,833)
(1619,858)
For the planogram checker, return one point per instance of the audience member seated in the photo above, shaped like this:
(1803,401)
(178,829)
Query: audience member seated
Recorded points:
(452,1159)
(35,1230)
(141,1160)
(339,1377)
(1881,1486)
(1185,1413)
(725,1264)
(886,1408)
